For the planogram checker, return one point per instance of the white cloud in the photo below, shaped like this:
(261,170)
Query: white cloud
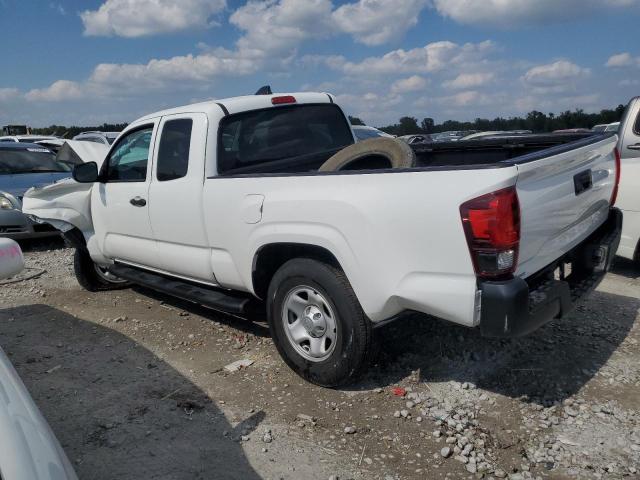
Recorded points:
(280,26)
(137,18)
(546,103)
(554,74)
(465,99)
(432,57)
(414,83)
(621,60)
(61,90)
(469,80)
(374,22)
(7,94)
(512,13)
(118,80)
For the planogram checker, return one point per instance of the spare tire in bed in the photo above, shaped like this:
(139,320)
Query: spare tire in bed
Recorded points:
(371,154)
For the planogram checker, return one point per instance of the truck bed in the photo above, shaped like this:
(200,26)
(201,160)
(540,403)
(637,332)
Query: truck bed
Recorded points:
(506,150)
(482,153)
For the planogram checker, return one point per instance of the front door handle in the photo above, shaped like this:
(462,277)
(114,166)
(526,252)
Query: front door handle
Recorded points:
(138,202)
(634,147)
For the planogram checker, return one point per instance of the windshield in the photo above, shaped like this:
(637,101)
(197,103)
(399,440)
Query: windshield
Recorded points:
(32,160)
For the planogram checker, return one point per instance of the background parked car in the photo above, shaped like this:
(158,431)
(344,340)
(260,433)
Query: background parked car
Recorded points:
(505,133)
(52,144)
(573,130)
(599,128)
(413,139)
(106,138)
(26,138)
(22,166)
(613,127)
(452,136)
(363,132)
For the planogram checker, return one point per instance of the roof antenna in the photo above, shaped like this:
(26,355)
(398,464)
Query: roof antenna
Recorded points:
(266,90)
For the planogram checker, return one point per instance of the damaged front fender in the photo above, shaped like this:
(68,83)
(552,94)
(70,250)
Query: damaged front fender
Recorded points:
(65,205)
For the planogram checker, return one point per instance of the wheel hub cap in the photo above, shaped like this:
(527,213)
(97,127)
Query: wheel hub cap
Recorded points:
(310,323)
(314,322)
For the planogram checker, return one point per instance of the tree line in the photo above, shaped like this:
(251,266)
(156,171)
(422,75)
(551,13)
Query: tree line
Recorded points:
(70,132)
(535,121)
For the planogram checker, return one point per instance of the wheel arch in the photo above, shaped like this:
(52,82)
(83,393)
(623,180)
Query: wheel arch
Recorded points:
(270,257)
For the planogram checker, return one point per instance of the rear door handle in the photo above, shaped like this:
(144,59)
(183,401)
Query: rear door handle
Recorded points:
(634,147)
(138,202)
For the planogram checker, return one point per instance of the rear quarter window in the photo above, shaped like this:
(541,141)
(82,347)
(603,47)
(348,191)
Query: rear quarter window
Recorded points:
(260,137)
(173,154)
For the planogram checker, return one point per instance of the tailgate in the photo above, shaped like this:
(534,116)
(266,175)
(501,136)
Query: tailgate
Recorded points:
(564,195)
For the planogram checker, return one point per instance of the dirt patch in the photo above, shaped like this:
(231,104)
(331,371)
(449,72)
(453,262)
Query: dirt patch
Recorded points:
(137,389)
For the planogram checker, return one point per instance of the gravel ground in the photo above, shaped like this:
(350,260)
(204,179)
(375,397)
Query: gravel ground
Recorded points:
(133,384)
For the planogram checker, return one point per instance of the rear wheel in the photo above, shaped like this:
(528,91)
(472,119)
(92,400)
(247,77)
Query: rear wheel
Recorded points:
(92,276)
(317,323)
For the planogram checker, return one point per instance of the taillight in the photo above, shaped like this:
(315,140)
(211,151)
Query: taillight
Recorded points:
(492,226)
(614,194)
(282,100)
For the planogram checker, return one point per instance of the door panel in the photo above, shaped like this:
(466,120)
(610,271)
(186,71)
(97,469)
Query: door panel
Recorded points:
(122,226)
(175,197)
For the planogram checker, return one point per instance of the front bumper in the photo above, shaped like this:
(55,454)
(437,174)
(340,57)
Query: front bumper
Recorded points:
(517,307)
(15,225)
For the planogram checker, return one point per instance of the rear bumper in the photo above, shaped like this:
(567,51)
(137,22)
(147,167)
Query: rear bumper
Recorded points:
(517,307)
(15,225)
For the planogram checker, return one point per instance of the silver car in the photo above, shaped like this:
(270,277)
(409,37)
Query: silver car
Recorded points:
(22,166)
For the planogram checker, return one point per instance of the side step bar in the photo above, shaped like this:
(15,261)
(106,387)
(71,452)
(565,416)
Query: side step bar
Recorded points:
(207,296)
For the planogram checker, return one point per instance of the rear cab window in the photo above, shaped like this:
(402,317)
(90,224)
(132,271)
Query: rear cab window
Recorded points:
(293,138)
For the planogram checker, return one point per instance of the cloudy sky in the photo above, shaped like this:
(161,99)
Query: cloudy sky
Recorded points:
(93,61)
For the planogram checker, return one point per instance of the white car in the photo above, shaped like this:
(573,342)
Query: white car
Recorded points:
(30,451)
(613,127)
(26,138)
(105,138)
(265,201)
(629,193)
(364,132)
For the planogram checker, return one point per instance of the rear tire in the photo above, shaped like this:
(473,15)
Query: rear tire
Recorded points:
(337,348)
(92,277)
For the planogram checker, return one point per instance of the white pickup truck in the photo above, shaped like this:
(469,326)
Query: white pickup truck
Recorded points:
(230,204)
(629,196)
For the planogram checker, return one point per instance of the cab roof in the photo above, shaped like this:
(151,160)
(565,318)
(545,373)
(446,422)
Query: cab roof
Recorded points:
(245,103)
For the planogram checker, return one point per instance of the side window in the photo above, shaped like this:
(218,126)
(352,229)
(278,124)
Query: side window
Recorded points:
(636,126)
(129,158)
(173,153)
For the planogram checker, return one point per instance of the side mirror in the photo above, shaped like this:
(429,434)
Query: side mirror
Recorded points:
(85,172)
